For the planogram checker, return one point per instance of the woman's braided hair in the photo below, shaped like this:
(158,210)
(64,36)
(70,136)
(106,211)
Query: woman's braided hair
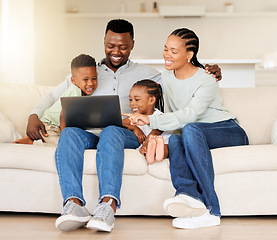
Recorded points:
(191,43)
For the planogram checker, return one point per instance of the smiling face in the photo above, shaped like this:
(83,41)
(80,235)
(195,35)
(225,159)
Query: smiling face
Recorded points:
(141,101)
(175,53)
(118,47)
(85,78)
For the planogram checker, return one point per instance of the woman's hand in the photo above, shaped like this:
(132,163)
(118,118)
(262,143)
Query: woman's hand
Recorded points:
(137,119)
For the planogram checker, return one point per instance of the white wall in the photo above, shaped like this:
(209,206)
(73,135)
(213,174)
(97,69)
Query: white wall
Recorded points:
(134,5)
(55,37)
(50,41)
(1,27)
(220,37)
(240,37)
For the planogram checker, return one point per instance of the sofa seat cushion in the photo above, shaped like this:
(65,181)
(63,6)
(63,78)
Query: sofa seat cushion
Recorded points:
(42,158)
(230,159)
(245,158)
(226,160)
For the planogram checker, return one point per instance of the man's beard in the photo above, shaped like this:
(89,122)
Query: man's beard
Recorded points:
(118,66)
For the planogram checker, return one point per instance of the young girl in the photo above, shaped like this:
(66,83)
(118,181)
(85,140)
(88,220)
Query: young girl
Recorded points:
(84,79)
(196,109)
(146,97)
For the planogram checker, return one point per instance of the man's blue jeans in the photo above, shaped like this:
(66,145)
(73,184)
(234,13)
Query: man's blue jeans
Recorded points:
(110,147)
(191,165)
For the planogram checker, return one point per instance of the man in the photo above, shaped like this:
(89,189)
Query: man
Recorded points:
(116,75)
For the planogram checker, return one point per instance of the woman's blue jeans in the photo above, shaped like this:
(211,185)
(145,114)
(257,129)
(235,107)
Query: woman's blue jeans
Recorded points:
(110,147)
(191,165)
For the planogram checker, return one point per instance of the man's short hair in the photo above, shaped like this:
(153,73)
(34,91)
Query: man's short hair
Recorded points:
(83,60)
(120,26)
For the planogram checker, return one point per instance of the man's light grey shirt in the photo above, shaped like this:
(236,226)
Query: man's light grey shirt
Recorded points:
(109,83)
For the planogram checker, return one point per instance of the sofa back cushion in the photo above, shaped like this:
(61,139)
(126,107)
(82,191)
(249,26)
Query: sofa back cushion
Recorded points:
(8,132)
(255,108)
(17,101)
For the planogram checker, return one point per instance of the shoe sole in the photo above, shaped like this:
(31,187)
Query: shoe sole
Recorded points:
(195,225)
(69,222)
(100,226)
(180,209)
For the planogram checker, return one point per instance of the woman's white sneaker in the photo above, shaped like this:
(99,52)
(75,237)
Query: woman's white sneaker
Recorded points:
(184,206)
(206,220)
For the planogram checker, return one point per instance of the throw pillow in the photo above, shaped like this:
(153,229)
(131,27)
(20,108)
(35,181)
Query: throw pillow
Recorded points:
(8,131)
(274,133)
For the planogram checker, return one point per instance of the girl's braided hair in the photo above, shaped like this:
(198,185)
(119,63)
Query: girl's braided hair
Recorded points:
(154,89)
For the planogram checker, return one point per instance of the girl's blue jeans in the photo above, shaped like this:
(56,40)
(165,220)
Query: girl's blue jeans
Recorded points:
(191,165)
(110,147)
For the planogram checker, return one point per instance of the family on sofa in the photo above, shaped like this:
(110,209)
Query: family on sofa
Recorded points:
(196,118)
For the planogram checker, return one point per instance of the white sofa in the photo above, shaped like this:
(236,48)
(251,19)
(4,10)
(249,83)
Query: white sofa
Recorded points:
(246,176)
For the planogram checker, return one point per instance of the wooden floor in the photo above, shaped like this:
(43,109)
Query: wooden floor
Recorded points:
(15,226)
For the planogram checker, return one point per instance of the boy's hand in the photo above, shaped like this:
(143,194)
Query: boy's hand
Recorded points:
(139,134)
(33,128)
(62,122)
(215,70)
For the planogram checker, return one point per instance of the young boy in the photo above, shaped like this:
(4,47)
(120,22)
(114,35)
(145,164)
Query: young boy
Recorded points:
(84,79)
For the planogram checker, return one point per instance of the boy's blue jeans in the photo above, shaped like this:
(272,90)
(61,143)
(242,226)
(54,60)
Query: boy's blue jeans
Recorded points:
(191,165)
(110,147)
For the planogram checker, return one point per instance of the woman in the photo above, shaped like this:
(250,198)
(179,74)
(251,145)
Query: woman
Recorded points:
(196,110)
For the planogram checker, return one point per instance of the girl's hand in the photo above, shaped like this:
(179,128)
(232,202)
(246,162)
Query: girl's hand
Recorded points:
(137,119)
(143,148)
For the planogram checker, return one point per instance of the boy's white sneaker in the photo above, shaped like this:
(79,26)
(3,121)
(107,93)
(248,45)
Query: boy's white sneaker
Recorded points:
(73,217)
(103,217)
(184,206)
(206,220)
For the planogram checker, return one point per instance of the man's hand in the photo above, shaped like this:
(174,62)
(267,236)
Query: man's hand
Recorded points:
(33,128)
(215,70)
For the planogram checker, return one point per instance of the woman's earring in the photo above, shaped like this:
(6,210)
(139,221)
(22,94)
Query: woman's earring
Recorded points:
(188,60)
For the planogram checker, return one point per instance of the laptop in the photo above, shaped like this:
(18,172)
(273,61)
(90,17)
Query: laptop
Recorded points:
(89,112)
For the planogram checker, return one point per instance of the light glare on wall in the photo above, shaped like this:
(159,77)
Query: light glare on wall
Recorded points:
(269,60)
(17,43)
(5,27)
